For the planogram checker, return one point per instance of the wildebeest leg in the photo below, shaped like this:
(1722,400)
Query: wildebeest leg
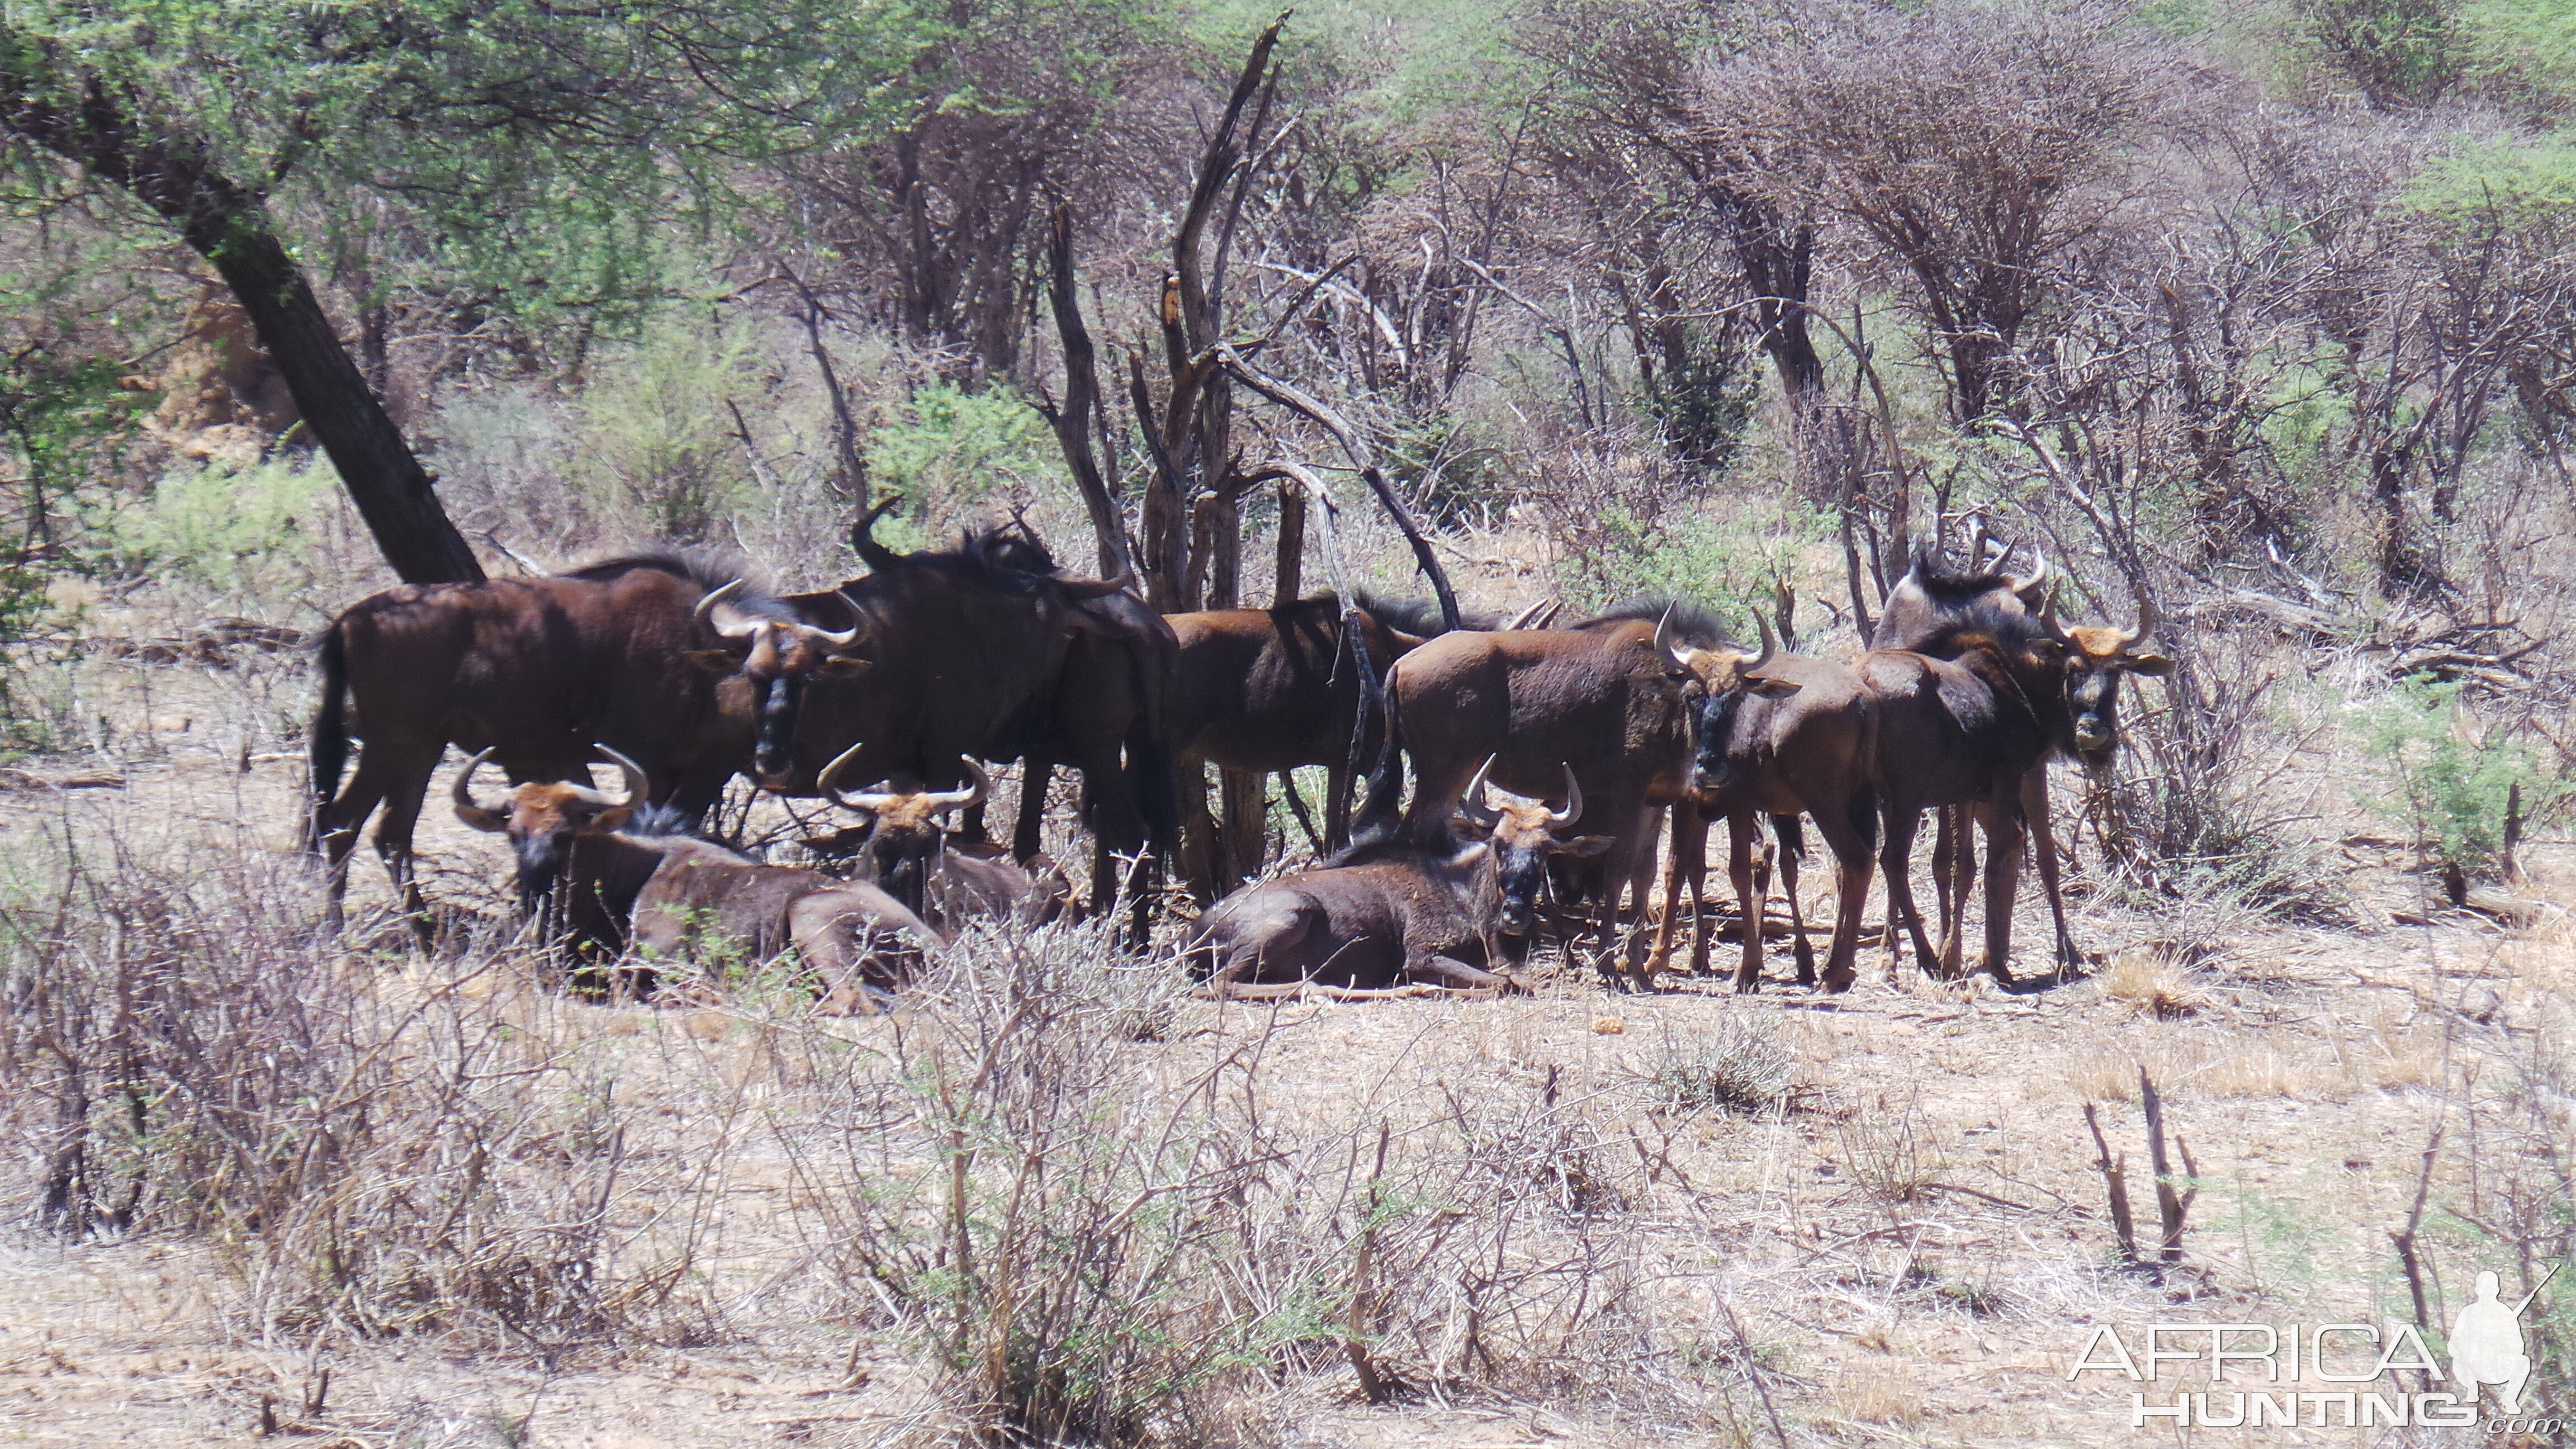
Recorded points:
(1945,863)
(1631,887)
(1846,834)
(1896,861)
(1337,804)
(2003,870)
(1791,848)
(1741,828)
(2034,809)
(393,846)
(1689,862)
(1964,822)
(1027,832)
(1448,971)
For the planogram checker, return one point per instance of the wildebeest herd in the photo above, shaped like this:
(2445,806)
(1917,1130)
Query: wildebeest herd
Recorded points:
(1544,762)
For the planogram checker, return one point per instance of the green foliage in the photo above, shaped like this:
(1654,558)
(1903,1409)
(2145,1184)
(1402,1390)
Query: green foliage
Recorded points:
(2450,786)
(2520,182)
(659,433)
(1726,562)
(2399,52)
(2525,48)
(234,530)
(948,449)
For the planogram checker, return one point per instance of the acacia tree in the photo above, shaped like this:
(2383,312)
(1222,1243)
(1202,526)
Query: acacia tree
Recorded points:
(531,142)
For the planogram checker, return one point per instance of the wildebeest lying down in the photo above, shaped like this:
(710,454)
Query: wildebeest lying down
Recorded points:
(1391,911)
(910,854)
(580,855)
(706,902)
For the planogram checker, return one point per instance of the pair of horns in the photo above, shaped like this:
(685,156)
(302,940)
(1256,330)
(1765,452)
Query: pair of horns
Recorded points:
(639,787)
(2129,638)
(1536,616)
(1478,811)
(1673,655)
(731,624)
(878,798)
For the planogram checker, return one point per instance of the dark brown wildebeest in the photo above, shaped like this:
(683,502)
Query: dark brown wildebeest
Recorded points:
(1392,911)
(705,901)
(1776,735)
(910,856)
(986,651)
(1601,695)
(1977,729)
(575,874)
(530,672)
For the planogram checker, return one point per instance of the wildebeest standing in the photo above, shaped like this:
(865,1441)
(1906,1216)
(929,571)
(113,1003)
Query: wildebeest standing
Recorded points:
(531,672)
(967,653)
(1600,695)
(1777,735)
(1977,731)
(1393,909)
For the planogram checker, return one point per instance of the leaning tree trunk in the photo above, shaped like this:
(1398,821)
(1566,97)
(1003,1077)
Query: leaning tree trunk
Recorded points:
(228,226)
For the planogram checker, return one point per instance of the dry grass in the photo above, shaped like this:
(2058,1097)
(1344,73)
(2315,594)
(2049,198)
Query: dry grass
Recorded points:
(2152,983)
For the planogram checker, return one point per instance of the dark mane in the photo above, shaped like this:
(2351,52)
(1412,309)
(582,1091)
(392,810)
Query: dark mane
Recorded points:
(1984,619)
(1693,624)
(1008,548)
(709,571)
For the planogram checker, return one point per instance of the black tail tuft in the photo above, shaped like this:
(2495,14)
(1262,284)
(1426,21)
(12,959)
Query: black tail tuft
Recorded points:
(1864,818)
(1792,836)
(328,740)
(1380,810)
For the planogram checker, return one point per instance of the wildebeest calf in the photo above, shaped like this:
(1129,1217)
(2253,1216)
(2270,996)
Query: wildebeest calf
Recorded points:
(1391,911)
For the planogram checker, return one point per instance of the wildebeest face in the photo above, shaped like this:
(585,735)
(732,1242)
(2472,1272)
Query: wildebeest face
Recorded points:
(541,818)
(1521,837)
(779,657)
(2095,659)
(907,834)
(1721,680)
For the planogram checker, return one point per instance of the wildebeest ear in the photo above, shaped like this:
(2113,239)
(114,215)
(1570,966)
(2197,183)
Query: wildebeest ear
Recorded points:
(2154,666)
(715,661)
(1087,588)
(1773,688)
(609,820)
(480,818)
(842,666)
(1585,846)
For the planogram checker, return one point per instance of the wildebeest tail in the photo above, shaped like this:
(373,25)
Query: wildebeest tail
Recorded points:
(328,741)
(1383,804)
(1864,817)
(1791,834)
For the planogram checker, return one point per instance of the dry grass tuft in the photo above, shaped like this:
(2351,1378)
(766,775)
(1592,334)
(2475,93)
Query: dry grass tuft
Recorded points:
(1742,1065)
(2152,983)
(1881,1396)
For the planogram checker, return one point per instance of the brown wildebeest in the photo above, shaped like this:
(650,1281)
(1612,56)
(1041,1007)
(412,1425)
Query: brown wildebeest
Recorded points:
(911,858)
(530,672)
(971,652)
(706,901)
(1600,695)
(1777,734)
(573,873)
(1392,911)
(1977,730)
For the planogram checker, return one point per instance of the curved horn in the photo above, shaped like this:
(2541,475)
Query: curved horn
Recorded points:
(1472,806)
(1573,811)
(875,555)
(2048,619)
(1770,646)
(470,810)
(1664,649)
(2016,584)
(706,614)
(968,798)
(639,786)
(1528,618)
(871,801)
(2146,621)
(848,636)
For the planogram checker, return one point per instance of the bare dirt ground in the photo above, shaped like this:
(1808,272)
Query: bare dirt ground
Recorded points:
(1908,1246)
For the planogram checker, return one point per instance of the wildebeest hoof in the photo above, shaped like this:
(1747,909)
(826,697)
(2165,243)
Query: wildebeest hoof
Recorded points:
(1747,985)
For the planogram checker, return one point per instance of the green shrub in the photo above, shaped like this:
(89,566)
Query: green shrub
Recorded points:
(234,530)
(2451,787)
(658,435)
(1727,563)
(948,448)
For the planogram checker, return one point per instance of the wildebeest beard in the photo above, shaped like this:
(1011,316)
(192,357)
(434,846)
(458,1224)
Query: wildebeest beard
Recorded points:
(773,751)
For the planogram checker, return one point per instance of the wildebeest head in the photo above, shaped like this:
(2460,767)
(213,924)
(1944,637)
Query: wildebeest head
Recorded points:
(542,817)
(1929,604)
(2095,659)
(1520,835)
(778,656)
(907,834)
(1722,678)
